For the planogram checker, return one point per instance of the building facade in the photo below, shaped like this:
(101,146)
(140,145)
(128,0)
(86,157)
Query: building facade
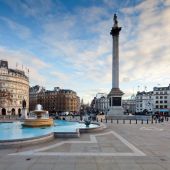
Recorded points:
(33,95)
(144,102)
(14,88)
(129,106)
(161,99)
(100,104)
(57,100)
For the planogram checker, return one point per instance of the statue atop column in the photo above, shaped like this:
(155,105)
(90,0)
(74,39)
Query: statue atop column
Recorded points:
(115,20)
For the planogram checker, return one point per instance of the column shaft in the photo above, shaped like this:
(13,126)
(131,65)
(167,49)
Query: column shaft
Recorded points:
(115,62)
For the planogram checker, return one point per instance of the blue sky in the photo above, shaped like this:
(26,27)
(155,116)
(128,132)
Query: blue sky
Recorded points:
(67,43)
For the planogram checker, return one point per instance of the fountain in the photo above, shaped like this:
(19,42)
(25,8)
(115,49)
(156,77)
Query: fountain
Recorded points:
(38,117)
(87,121)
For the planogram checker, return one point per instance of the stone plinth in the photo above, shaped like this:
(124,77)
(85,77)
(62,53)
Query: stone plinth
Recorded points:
(115,103)
(115,111)
(24,113)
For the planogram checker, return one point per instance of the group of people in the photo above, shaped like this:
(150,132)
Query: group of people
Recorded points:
(160,117)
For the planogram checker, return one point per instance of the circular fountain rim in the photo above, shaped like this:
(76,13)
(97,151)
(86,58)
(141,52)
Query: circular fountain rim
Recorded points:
(39,111)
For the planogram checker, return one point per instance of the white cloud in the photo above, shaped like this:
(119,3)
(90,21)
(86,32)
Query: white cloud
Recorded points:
(145,60)
(62,77)
(31,8)
(21,30)
(24,61)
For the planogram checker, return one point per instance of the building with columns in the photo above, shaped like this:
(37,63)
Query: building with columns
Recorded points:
(115,95)
(14,88)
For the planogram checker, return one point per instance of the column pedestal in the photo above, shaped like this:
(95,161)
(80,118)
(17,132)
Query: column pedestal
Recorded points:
(24,113)
(115,103)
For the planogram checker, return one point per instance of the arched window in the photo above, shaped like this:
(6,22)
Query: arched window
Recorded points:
(13,111)
(19,111)
(3,111)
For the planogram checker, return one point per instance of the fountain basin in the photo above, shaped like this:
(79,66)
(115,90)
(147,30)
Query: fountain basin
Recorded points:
(13,134)
(38,122)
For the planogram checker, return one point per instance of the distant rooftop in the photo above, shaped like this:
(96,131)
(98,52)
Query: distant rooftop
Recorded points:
(161,88)
(38,89)
(144,93)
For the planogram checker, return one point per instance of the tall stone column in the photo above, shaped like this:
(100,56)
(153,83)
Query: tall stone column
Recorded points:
(115,95)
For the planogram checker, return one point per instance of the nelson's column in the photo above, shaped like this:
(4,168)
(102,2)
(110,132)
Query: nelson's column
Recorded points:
(115,95)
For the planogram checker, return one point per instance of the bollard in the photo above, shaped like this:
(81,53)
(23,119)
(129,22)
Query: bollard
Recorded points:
(147,121)
(101,120)
(123,121)
(130,121)
(152,121)
(136,121)
(117,121)
(106,120)
(142,121)
(97,120)
(111,120)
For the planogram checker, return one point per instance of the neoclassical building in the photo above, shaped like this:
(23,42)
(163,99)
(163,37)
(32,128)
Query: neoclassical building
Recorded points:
(100,104)
(57,100)
(14,88)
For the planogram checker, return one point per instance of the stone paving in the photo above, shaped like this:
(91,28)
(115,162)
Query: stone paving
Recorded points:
(119,147)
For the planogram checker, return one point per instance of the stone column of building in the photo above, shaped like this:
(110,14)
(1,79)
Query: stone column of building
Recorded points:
(115,95)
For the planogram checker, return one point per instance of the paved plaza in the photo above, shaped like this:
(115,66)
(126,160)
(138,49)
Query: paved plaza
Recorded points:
(119,146)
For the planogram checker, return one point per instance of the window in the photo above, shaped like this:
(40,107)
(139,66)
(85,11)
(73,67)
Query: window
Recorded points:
(157,106)
(157,101)
(165,106)
(165,97)
(161,107)
(156,97)
(165,101)
(161,101)
(161,97)
(110,102)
